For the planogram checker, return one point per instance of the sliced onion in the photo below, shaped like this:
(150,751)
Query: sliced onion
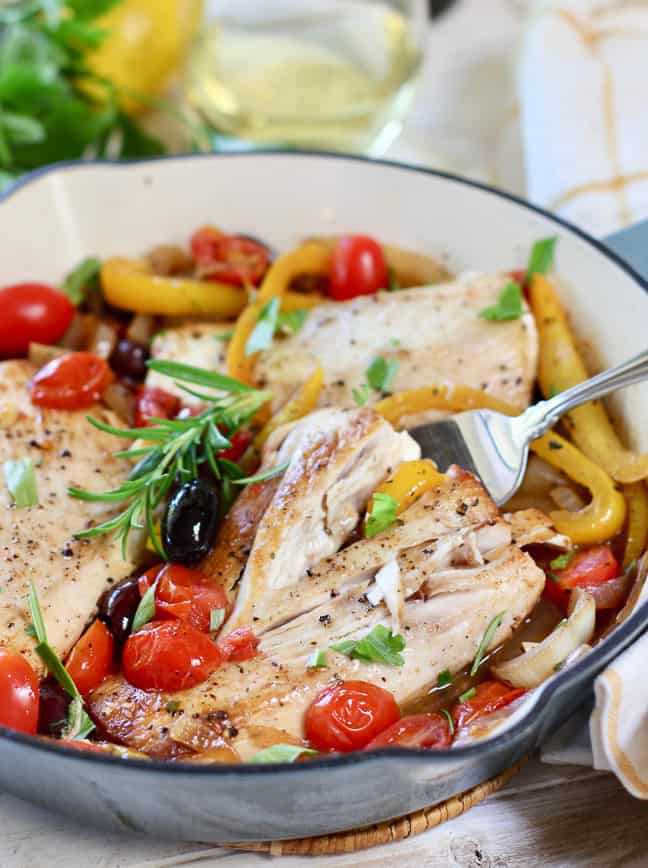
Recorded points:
(104,340)
(610,594)
(542,661)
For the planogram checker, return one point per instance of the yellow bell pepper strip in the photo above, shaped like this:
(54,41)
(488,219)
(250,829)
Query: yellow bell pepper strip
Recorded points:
(561,367)
(131,284)
(301,300)
(308,259)
(637,526)
(411,480)
(601,519)
(604,515)
(452,398)
(300,405)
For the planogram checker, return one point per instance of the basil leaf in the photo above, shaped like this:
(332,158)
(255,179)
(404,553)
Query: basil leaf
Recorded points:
(146,609)
(378,646)
(381,514)
(361,394)
(541,257)
(263,331)
(291,321)
(468,694)
(81,279)
(381,373)
(281,753)
(317,660)
(508,305)
(561,561)
(484,645)
(21,481)
(216,618)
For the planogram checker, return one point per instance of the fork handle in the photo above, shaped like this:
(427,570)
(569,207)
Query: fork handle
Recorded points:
(543,415)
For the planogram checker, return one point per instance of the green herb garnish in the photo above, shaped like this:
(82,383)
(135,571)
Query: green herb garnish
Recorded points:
(562,561)
(381,373)
(448,717)
(484,645)
(21,481)
(508,305)
(317,660)
(216,618)
(281,753)
(291,321)
(81,279)
(468,694)
(541,257)
(444,678)
(361,394)
(378,646)
(392,282)
(178,448)
(223,336)
(146,608)
(381,514)
(172,706)
(263,331)
(78,723)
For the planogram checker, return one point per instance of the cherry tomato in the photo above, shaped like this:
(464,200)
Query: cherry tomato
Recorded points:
(489,696)
(91,658)
(417,730)
(348,715)
(589,567)
(18,693)
(169,655)
(32,312)
(185,594)
(240,644)
(240,442)
(358,268)
(154,403)
(556,593)
(229,258)
(71,382)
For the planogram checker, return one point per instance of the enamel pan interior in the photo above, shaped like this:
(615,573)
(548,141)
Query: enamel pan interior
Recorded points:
(57,216)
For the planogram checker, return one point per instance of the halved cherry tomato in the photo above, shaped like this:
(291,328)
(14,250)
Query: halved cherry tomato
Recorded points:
(240,442)
(169,655)
(417,730)
(348,715)
(240,644)
(32,312)
(18,693)
(588,568)
(71,382)
(489,696)
(556,593)
(229,258)
(155,403)
(358,267)
(185,594)
(91,658)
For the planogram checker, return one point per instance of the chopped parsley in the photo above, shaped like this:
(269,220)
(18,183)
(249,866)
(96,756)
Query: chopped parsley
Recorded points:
(561,562)
(541,257)
(381,373)
(444,678)
(317,660)
(21,481)
(281,753)
(361,394)
(484,645)
(508,306)
(448,717)
(468,694)
(378,646)
(82,279)
(172,706)
(223,336)
(291,321)
(381,514)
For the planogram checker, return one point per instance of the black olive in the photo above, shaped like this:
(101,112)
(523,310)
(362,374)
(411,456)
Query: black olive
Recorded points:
(117,607)
(190,521)
(53,705)
(128,359)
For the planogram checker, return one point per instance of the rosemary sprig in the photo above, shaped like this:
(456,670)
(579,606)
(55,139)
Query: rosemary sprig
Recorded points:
(176,449)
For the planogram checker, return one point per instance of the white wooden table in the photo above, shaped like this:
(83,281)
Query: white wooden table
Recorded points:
(550,816)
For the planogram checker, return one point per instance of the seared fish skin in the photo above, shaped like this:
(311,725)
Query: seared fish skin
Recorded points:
(457,569)
(37,542)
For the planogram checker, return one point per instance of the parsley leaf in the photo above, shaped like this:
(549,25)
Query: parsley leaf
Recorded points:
(561,561)
(468,694)
(146,609)
(381,373)
(281,753)
(444,678)
(263,331)
(541,257)
(378,646)
(361,394)
(508,305)
(21,481)
(317,660)
(81,279)
(484,645)
(381,514)
(291,321)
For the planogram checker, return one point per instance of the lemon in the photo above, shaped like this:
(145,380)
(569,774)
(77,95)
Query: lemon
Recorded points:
(147,41)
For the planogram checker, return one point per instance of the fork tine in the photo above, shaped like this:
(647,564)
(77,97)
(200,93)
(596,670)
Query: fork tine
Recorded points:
(444,443)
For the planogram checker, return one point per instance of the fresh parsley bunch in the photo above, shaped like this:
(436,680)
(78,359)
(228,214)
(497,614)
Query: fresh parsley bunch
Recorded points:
(45,116)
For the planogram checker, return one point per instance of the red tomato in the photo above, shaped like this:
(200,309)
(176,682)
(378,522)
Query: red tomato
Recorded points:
(229,258)
(591,566)
(240,644)
(154,403)
(240,442)
(417,730)
(91,658)
(556,593)
(169,655)
(32,312)
(18,693)
(85,745)
(490,696)
(185,594)
(348,715)
(71,382)
(358,268)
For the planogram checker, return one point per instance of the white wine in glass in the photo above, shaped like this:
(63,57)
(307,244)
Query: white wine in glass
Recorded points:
(331,74)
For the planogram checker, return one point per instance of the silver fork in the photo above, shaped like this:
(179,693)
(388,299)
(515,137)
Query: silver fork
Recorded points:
(495,447)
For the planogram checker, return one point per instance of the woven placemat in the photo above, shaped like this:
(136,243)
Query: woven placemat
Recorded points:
(383,833)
